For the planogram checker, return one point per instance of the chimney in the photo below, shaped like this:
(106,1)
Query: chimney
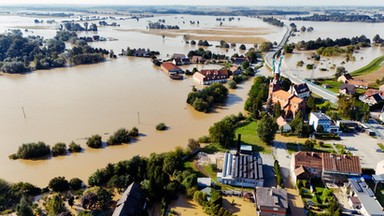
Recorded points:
(238,143)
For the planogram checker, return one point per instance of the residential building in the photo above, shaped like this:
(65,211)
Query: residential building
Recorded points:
(171,68)
(330,167)
(372,96)
(178,56)
(180,59)
(318,118)
(246,149)
(362,198)
(207,77)
(132,202)
(300,90)
(347,78)
(197,60)
(239,60)
(347,89)
(241,171)
(288,102)
(344,78)
(271,201)
(283,125)
(306,165)
(338,168)
(235,70)
(358,83)
(380,168)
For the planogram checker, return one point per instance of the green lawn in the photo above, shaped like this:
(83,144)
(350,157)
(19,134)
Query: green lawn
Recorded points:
(381,146)
(249,136)
(333,84)
(373,66)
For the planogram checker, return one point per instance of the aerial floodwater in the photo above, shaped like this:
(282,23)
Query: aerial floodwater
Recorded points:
(73,103)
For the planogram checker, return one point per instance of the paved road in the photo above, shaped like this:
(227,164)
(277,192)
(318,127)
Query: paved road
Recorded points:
(286,72)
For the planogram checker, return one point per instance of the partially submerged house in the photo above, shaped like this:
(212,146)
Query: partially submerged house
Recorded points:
(171,68)
(207,77)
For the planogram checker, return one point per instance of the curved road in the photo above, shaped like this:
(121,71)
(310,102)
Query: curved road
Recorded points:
(286,72)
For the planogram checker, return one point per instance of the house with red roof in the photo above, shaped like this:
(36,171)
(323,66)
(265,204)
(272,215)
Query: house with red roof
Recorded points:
(171,68)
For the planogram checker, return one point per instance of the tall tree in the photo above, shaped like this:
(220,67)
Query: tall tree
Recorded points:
(277,110)
(267,128)
(55,205)
(223,132)
(24,207)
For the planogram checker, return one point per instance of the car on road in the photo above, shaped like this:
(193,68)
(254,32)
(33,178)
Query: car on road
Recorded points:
(379,150)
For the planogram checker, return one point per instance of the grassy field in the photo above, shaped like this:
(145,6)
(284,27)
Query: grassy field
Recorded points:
(381,146)
(374,65)
(334,86)
(249,136)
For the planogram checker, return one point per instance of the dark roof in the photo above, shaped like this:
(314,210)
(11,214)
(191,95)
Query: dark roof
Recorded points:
(246,166)
(347,76)
(377,97)
(301,88)
(271,197)
(132,202)
(351,89)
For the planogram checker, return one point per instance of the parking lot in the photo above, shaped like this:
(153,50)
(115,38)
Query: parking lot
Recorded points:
(364,146)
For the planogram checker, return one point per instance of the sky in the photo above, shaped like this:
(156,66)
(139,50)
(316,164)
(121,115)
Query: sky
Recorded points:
(206,2)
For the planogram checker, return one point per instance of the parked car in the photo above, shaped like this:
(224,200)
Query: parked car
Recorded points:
(379,150)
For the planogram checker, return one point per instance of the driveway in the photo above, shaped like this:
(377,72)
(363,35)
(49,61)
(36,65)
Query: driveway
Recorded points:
(365,147)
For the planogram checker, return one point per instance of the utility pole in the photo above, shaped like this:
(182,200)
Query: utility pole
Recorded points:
(22,108)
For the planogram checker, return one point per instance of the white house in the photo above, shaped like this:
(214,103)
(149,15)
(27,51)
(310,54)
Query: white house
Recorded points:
(300,90)
(380,168)
(318,118)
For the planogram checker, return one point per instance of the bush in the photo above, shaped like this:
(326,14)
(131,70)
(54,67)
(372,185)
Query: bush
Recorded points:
(59,149)
(232,84)
(75,184)
(204,139)
(58,184)
(73,147)
(94,141)
(32,151)
(119,137)
(161,126)
(134,132)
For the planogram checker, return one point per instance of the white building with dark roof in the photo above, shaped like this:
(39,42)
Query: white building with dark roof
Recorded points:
(300,90)
(318,118)
(271,201)
(242,171)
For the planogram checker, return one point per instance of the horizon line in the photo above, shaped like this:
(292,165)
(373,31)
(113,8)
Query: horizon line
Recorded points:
(185,5)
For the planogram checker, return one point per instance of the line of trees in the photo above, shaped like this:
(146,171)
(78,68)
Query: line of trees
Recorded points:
(362,41)
(20,54)
(41,150)
(273,21)
(340,17)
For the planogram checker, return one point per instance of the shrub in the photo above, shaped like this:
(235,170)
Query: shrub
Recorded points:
(232,84)
(73,147)
(94,141)
(204,139)
(75,184)
(119,137)
(134,132)
(161,126)
(58,184)
(59,149)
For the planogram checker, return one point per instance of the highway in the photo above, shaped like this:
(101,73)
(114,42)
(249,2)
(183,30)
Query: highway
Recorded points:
(286,72)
